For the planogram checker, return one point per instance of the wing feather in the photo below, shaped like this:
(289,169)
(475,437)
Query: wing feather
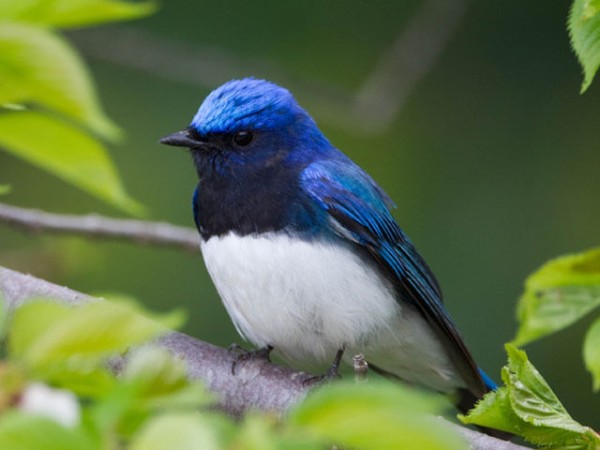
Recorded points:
(359,211)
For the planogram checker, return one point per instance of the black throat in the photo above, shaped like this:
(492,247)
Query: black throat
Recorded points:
(249,202)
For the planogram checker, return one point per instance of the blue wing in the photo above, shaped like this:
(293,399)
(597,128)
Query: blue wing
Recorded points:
(359,211)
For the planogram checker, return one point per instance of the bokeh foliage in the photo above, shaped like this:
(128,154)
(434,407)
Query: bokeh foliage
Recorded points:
(49,112)
(153,406)
(560,293)
(584,28)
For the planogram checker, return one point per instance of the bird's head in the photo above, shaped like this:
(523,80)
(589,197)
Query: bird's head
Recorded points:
(249,122)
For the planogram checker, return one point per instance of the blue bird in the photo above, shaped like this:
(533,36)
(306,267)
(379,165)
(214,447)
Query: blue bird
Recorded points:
(304,251)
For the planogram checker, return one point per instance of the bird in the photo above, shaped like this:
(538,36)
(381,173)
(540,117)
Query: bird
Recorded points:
(303,249)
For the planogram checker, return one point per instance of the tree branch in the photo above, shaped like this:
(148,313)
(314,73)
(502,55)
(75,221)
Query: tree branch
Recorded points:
(256,383)
(93,225)
(411,57)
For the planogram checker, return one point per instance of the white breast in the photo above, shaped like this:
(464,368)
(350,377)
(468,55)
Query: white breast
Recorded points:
(309,299)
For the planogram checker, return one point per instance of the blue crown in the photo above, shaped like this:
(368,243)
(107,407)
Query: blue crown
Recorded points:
(246,104)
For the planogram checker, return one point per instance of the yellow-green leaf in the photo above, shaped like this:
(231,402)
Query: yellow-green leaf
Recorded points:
(591,353)
(173,319)
(30,432)
(39,67)
(161,380)
(67,153)
(69,13)
(532,399)
(3,317)
(44,334)
(494,411)
(527,406)
(584,30)
(182,431)
(375,416)
(31,322)
(558,294)
(591,8)
(4,189)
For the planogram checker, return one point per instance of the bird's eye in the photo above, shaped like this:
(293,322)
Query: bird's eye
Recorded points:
(243,138)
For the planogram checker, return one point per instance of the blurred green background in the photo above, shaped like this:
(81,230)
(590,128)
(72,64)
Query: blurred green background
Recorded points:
(493,160)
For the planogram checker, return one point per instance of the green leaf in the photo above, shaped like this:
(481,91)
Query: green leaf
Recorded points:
(173,319)
(113,411)
(13,107)
(5,189)
(39,67)
(591,8)
(494,411)
(85,379)
(67,153)
(375,416)
(30,432)
(531,398)
(584,31)
(69,13)
(44,334)
(182,431)
(527,407)
(259,431)
(156,369)
(162,380)
(591,353)
(31,322)
(153,380)
(558,294)
(3,318)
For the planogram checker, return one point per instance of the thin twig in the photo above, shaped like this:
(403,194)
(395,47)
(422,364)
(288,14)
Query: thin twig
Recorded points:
(136,231)
(370,109)
(411,57)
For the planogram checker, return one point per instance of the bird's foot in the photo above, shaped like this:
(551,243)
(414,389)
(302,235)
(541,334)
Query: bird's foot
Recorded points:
(332,373)
(240,354)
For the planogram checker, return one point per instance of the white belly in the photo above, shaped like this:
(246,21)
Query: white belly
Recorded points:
(309,299)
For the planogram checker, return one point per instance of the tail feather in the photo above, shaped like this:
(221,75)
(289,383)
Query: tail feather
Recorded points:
(489,383)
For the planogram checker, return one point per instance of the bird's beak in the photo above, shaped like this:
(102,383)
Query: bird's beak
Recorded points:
(182,139)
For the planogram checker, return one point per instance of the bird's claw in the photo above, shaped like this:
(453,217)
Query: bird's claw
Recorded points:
(240,354)
(333,373)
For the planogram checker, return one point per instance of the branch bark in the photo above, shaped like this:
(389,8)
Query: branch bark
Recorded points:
(256,384)
(93,225)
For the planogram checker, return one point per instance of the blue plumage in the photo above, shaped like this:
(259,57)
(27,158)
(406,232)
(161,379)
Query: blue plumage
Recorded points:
(247,104)
(275,199)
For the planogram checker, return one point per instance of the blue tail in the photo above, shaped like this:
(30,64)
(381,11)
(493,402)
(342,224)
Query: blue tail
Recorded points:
(489,383)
